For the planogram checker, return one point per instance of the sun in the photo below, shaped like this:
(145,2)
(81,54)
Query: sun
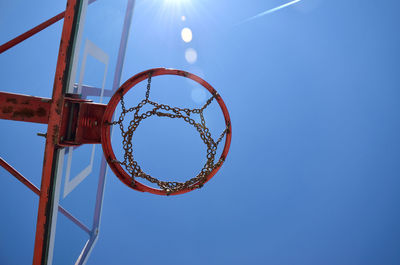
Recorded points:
(175,2)
(170,12)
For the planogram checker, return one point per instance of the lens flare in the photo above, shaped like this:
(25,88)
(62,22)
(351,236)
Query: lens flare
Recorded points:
(186,35)
(191,55)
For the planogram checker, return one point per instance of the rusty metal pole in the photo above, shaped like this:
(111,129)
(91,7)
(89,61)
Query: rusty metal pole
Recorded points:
(4,47)
(19,107)
(46,203)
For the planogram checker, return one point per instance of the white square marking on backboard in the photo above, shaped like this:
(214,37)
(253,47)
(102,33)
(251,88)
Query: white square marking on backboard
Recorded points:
(100,55)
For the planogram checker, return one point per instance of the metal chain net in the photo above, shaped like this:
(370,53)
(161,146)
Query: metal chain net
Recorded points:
(162,110)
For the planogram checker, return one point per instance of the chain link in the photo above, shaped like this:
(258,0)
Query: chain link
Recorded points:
(175,113)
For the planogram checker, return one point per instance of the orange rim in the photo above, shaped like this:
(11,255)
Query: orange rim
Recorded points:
(109,112)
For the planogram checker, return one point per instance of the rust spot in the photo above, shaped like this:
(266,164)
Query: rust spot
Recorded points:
(8,109)
(41,112)
(184,73)
(55,134)
(59,106)
(24,113)
(12,100)
(25,102)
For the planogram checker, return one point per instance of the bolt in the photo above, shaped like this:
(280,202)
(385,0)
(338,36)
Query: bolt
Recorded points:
(42,134)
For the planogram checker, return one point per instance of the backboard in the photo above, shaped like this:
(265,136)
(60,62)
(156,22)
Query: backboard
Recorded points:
(90,58)
(96,61)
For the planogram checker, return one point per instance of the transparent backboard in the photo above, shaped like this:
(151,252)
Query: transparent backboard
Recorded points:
(80,176)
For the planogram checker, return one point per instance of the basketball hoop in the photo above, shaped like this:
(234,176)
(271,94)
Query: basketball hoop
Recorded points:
(132,170)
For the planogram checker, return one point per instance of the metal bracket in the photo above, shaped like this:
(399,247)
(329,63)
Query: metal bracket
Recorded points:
(81,121)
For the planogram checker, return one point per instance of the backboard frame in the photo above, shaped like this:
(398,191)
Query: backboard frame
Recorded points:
(48,183)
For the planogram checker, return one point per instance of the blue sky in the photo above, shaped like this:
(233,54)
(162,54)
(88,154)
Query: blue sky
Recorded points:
(312,176)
